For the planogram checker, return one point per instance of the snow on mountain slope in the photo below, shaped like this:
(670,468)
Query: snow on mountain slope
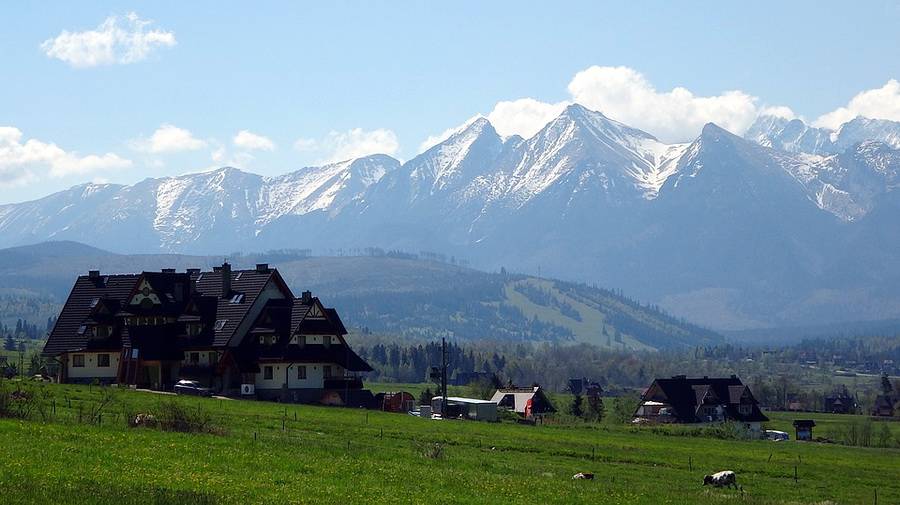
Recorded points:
(844,171)
(797,137)
(190,212)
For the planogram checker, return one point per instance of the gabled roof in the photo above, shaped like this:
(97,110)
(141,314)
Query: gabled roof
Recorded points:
(521,397)
(65,335)
(249,283)
(686,395)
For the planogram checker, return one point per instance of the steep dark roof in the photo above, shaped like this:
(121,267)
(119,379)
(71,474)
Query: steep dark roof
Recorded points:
(65,336)
(685,395)
(249,283)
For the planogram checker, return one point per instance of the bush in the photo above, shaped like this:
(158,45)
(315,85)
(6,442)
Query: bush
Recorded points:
(173,416)
(430,450)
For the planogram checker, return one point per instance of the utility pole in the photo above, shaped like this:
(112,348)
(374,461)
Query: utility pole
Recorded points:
(444,360)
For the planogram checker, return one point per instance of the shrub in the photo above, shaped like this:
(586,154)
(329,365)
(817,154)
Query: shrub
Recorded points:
(173,416)
(430,450)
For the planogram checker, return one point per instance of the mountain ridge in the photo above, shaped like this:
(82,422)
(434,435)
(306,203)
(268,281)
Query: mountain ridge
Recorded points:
(734,232)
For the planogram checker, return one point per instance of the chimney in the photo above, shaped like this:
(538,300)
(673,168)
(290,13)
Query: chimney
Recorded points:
(168,270)
(226,280)
(262,268)
(306,297)
(94,274)
(193,271)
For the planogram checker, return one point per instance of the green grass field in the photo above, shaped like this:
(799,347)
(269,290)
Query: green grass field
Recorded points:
(272,453)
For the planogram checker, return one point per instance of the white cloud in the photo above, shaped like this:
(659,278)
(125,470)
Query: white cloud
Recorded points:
(625,95)
(779,111)
(169,139)
(355,143)
(878,103)
(678,115)
(525,116)
(251,141)
(22,162)
(118,40)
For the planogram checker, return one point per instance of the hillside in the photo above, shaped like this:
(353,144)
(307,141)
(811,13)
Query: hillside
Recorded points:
(397,295)
(260,452)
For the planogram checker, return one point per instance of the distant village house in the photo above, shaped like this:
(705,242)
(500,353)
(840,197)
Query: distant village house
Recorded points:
(700,400)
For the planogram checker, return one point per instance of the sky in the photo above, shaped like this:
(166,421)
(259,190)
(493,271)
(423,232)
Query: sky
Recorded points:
(118,92)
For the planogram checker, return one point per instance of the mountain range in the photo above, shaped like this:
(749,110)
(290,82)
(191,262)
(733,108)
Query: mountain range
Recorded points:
(789,224)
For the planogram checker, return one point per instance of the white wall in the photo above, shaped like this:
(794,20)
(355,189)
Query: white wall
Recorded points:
(90,368)
(314,375)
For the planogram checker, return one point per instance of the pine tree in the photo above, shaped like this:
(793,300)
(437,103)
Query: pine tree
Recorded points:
(10,344)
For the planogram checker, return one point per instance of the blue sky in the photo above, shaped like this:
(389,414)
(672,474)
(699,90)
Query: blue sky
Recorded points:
(314,82)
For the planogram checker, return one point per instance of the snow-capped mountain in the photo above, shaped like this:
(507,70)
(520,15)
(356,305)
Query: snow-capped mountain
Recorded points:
(208,211)
(797,137)
(788,224)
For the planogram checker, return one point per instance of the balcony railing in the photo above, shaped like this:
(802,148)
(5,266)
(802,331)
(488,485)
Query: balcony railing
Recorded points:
(343,383)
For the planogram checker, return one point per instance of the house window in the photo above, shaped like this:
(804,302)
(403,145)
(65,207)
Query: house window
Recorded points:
(301,372)
(745,409)
(195,357)
(267,373)
(326,370)
(326,340)
(78,360)
(103,360)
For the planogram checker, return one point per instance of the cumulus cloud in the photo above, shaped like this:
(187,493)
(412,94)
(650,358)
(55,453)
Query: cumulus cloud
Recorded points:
(678,115)
(779,111)
(24,162)
(168,139)
(878,103)
(118,40)
(251,141)
(351,144)
(525,116)
(625,95)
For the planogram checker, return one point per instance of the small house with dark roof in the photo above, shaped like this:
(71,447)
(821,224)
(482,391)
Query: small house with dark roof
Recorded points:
(700,400)
(237,331)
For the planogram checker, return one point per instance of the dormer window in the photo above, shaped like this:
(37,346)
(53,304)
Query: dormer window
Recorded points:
(82,329)
(94,302)
(220,324)
(238,298)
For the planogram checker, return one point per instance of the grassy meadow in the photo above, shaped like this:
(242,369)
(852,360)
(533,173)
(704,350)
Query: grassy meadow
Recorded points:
(271,453)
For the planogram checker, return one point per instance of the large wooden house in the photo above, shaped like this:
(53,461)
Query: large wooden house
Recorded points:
(700,400)
(240,332)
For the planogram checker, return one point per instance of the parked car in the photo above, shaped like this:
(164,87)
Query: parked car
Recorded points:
(777,436)
(189,387)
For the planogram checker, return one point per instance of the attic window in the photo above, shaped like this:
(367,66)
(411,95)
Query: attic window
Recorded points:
(94,302)
(238,277)
(199,277)
(82,329)
(238,298)
(220,323)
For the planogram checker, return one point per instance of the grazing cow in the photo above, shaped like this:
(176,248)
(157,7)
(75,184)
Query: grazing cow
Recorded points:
(721,479)
(583,475)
